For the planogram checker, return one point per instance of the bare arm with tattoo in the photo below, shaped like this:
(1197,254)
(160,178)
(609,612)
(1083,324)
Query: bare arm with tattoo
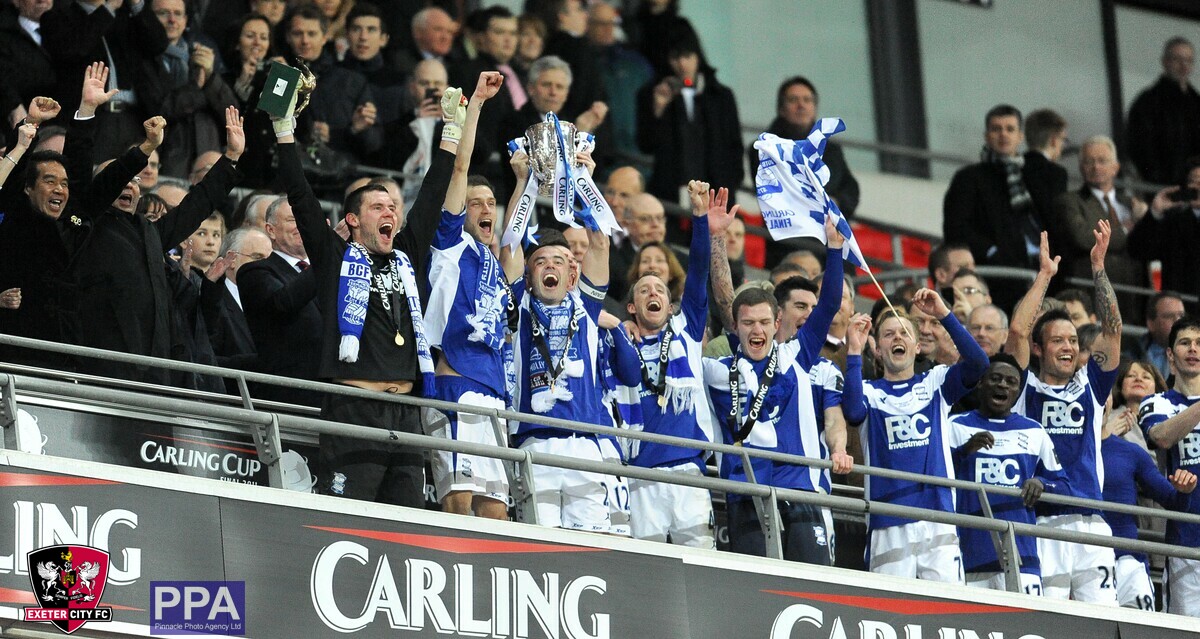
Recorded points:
(1026,312)
(719,220)
(1106,350)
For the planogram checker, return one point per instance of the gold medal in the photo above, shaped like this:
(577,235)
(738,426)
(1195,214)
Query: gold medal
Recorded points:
(662,401)
(399,339)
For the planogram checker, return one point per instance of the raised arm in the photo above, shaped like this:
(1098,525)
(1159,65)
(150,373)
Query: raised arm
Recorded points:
(1025,313)
(854,406)
(513,258)
(486,88)
(719,220)
(595,262)
(421,222)
(202,199)
(111,180)
(812,335)
(961,377)
(25,135)
(695,288)
(310,218)
(1106,350)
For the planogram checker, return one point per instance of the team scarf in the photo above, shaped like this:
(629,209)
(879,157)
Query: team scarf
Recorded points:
(492,299)
(565,324)
(354,297)
(677,385)
(1018,198)
(624,402)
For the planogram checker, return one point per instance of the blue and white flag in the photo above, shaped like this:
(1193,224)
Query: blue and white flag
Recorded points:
(790,185)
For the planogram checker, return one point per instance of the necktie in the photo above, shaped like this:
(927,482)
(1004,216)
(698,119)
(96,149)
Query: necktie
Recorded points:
(1113,218)
(513,83)
(302,265)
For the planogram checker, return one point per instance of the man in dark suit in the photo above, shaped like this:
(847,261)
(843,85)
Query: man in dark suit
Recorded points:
(989,208)
(25,66)
(796,104)
(1171,234)
(567,41)
(497,46)
(228,331)
(1046,179)
(37,240)
(1163,128)
(124,295)
(1076,213)
(279,298)
(119,33)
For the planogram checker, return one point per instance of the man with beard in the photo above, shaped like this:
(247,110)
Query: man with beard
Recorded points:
(469,315)
(903,419)
(374,332)
(994,446)
(558,372)
(1171,421)
(671,390)
(763,393)
(1067,399)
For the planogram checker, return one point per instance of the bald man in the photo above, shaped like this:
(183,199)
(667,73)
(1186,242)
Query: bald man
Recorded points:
(623,183)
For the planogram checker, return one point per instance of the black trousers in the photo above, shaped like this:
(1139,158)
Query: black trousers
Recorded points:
(375,471)
(806,537)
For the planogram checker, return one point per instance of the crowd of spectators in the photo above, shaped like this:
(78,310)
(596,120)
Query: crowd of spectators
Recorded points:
(132,123)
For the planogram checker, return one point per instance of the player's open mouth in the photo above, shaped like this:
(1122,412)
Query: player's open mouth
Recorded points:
(55,204)
(1000,396)
(485,224)
(385,230)
(126,198)
(549,280)
(899,350)
(654,306)
(758,342)
(1066,358)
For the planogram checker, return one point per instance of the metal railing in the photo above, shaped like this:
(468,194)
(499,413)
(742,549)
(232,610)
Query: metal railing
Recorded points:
(265,426)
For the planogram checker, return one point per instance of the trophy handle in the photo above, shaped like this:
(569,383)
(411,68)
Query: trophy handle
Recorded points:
(305,87)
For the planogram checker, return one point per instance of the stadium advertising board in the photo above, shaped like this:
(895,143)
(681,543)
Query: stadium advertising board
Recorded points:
(269,563)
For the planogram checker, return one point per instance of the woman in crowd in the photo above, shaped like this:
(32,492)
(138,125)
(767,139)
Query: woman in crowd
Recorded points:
(658,259)
(336,11)
(531,42)
(1136,380)
(249,55)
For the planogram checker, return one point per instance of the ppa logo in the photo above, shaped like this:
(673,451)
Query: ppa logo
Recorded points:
(194,607)
(68,582)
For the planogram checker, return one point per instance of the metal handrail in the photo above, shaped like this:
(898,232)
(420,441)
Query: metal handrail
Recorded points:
(249,413)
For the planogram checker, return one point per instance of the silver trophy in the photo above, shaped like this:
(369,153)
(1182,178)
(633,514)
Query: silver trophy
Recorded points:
(541,140)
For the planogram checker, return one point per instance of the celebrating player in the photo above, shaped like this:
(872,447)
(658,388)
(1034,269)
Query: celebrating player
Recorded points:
(904,421)
(1067,399)
(763,395)
(996,447)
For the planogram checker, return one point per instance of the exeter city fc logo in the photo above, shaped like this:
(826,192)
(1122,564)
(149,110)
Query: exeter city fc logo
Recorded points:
(68,582)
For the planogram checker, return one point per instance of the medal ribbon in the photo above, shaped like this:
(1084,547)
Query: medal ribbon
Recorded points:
(735,403)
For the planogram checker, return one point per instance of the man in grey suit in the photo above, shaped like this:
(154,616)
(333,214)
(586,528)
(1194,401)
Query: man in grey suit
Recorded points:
(1077,212)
